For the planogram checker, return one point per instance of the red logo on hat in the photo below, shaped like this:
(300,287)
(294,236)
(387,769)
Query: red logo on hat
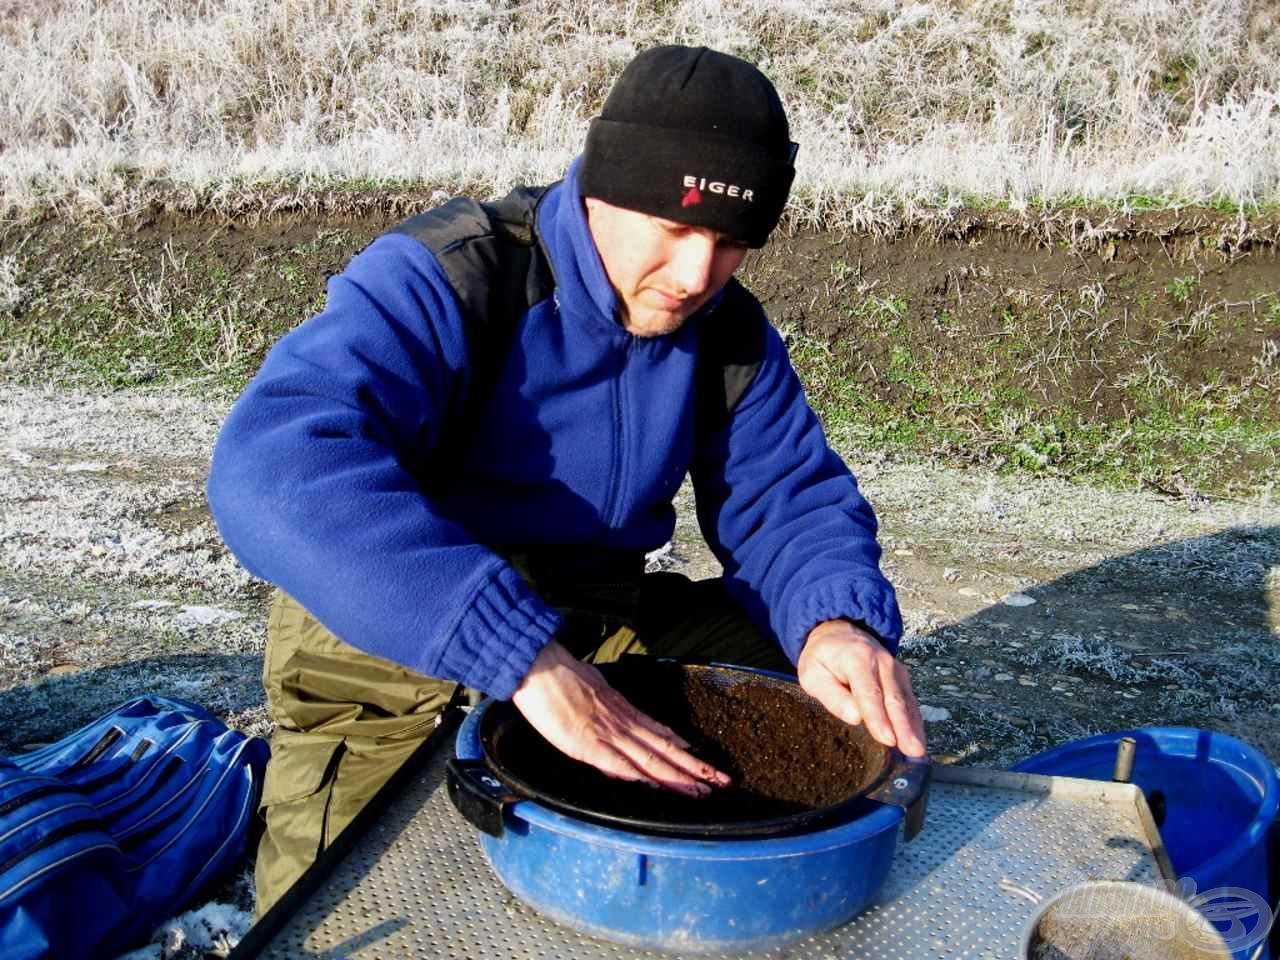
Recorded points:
(692,198)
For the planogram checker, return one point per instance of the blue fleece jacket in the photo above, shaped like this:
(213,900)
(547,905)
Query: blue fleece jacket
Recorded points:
(317,475)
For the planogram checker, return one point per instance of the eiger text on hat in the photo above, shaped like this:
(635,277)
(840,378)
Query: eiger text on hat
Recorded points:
(694,136)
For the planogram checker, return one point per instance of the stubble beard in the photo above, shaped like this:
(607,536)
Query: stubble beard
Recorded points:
(654,323)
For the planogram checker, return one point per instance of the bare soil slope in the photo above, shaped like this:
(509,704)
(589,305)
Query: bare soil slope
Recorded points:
(1139,348)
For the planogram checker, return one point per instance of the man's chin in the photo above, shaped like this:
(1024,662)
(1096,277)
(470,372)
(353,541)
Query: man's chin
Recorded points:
(655,323)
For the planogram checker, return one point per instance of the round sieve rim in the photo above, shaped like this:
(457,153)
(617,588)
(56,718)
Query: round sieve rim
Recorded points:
(1178,911)
(498,716)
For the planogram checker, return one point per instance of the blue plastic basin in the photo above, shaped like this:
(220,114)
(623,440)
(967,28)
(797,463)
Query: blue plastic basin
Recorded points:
(1220,796)
(692,895)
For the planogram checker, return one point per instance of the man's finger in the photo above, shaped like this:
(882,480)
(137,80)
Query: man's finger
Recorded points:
(903,710)
(669,744)
(823,686)
(608,760)
(673,753)
(635,763)
(660,772)
(869,695)
(661,730)
(623,758)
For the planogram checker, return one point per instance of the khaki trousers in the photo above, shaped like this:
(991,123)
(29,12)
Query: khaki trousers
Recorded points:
(346,720)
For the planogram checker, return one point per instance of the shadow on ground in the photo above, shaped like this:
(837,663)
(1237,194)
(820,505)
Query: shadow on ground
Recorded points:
(1183,633)
(227,684)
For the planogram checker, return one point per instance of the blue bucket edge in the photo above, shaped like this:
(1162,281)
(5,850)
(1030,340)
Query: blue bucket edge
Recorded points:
(761,848)
(1261,838)
(1261,771)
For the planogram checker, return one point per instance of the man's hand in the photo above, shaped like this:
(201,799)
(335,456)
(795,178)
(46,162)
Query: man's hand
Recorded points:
(570,704)
(856,679)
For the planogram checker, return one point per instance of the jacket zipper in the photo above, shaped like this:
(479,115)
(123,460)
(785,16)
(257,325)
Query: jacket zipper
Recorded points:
(613,507)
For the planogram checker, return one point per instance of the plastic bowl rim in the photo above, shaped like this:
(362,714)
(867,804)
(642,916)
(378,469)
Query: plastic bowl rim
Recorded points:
(1178,903)
(738,848)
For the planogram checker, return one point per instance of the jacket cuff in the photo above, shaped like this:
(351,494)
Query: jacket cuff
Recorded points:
(498,635)
(873,606)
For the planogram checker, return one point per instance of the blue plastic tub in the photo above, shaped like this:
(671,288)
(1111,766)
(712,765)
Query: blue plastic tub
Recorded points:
(689,895)
(1220,797)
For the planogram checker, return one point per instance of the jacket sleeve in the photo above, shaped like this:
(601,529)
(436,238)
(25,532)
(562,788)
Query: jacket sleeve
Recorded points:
(311,489)
(784,515)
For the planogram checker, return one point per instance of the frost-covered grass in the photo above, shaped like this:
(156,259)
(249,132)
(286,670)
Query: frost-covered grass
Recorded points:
(10,290)
(212,930)
(233,103)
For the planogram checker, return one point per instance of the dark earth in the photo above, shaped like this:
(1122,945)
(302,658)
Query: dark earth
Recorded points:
(1142,345)
(932,334)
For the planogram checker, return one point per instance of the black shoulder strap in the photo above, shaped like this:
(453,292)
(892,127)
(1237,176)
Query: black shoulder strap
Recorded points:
(492,258)
(498,270)
(730,351)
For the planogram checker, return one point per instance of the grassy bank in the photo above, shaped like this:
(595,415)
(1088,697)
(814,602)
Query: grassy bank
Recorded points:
(1146,355)
(179,178)
(1184,439)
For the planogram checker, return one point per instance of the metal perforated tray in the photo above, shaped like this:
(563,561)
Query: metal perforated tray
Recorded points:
(417,885)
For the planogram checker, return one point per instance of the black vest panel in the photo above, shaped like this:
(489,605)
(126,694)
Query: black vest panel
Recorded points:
(498,270)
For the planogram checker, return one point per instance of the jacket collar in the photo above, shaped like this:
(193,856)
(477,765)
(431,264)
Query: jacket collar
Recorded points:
(582,286)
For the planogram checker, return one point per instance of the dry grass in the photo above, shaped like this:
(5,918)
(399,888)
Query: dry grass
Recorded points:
(107,103)
(11,293)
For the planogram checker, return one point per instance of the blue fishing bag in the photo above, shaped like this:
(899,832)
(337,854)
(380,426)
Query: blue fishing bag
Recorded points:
(116,827)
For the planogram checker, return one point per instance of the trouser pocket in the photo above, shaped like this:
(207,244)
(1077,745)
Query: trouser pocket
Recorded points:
(317,683)
(315,787)
(296,796)
(346,722)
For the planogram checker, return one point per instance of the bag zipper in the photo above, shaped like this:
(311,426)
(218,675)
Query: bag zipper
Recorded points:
(98,749)
(232,766)
(233,834)
(40,844)
(157,763)
(13,803)
(31,878)
(124,835)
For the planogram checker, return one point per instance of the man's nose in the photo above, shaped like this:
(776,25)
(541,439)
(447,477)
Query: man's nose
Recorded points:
(691,264)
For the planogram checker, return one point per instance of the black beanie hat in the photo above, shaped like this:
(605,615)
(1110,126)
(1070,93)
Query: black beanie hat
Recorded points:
(694,136)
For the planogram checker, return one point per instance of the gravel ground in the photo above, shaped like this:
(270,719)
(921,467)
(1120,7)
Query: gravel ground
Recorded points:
(1037,611)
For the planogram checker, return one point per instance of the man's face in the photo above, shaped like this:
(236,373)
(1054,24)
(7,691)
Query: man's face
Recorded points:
(663,271)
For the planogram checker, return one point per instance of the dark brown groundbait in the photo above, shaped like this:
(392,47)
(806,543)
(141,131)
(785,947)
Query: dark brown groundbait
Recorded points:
(785,753)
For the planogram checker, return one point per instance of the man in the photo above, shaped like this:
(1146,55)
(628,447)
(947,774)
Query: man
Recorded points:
(436,517)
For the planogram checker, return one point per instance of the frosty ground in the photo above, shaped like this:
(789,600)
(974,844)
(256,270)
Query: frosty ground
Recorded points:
(1037,610)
